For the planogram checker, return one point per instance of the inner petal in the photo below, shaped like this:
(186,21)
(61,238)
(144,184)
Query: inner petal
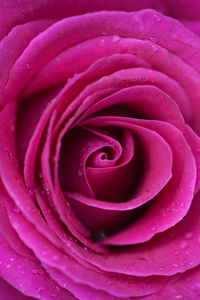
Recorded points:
(123,175)
(81,148)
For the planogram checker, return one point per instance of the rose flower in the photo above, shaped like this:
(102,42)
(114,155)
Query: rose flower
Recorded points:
(99,150)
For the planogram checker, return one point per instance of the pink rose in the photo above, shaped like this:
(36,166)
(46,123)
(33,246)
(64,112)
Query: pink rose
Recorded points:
(100,151)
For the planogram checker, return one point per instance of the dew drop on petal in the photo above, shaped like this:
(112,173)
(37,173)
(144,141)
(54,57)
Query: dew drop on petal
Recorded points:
(35,271)
(116,38)
(153,39)
(178,297)
(189,235)
(30,192)
(80,173)
(135,17)
(157,17)
(183,245)
(175,265)
(154,48)
(16,210)
(40,289)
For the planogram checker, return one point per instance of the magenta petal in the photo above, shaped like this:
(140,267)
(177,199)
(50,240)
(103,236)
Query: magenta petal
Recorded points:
(23,12)
(32,279)
(184,10)
(8,292)
(186,288)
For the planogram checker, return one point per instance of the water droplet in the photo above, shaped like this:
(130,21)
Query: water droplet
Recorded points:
(11,155)
(116,38)
(153,39)
(28,66)
(183,245)
(175,265)
(80,173)
(176,252)
(12,127)
(40,289)
(157,17)
(178,297)
(12,259)
(69,244)
(8,266)
(154,48)
(153,228)
(135,17)
(19,267)
(85,248)
(189,235)
(15,210)
(30,192)
(35,271)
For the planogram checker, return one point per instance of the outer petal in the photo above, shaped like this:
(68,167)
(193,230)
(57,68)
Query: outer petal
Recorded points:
(28,276)
(185,288)
(8,292)
(23,11)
